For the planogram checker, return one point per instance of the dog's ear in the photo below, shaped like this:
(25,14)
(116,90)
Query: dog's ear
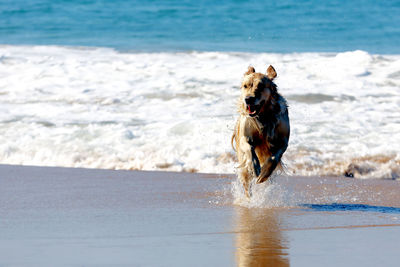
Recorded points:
(250,70)
(271,73)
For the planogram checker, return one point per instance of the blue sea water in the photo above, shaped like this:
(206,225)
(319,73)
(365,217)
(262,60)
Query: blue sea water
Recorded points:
(205,25)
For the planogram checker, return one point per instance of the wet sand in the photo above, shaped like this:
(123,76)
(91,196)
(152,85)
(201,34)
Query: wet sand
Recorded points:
(85,217)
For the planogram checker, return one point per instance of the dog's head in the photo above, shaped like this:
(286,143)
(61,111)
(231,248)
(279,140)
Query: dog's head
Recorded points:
(257,90)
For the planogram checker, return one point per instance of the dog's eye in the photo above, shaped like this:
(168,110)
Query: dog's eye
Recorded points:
(245,86)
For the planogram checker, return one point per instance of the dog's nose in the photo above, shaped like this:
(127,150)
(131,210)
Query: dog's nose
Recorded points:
(250,100)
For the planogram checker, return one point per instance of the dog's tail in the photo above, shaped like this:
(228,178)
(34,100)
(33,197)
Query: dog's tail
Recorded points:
(233,139)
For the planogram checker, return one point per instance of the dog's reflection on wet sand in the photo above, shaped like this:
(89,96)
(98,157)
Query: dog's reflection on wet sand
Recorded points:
(259,240)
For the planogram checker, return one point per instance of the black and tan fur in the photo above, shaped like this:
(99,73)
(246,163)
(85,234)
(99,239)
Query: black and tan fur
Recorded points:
(262,131)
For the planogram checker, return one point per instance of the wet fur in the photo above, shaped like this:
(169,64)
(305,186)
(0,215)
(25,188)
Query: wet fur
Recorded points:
(261,134)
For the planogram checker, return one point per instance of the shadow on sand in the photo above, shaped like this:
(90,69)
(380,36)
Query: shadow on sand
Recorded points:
(350,207)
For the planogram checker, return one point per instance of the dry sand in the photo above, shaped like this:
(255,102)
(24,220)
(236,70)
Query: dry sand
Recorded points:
(83,217)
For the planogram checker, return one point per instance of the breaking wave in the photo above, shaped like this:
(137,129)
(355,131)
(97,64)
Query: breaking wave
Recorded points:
(100,108)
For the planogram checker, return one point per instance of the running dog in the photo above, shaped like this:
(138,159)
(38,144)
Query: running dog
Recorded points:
(261,134)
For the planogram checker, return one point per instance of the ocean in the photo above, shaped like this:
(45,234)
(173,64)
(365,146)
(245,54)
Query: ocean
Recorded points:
(228,25)
(153,85)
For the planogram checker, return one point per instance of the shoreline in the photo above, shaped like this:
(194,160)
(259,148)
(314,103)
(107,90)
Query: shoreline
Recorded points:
(205,174)
(123,50)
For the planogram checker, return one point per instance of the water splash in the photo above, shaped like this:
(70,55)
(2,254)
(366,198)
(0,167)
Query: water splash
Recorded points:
(270,194)
(290,191)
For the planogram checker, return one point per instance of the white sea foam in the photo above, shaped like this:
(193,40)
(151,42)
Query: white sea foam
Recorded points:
(101,108)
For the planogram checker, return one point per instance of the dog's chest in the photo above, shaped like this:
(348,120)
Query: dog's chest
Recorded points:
(254,130)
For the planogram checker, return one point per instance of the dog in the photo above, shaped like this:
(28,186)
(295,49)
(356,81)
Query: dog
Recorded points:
(262,131)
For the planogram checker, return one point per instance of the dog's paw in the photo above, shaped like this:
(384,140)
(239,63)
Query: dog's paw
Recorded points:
(261,179)
(267,169)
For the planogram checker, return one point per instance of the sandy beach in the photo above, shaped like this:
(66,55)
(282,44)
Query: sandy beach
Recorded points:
(84,217)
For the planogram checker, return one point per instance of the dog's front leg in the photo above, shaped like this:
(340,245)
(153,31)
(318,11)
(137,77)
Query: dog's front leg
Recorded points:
(270,165)
(254,159)
(249,134)
(249,162)
(252,162)
(267,169)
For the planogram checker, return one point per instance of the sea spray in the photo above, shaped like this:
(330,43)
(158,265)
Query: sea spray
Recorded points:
(269,194)
(282,191)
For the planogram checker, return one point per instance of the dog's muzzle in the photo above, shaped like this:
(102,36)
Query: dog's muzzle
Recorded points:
(251,107)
